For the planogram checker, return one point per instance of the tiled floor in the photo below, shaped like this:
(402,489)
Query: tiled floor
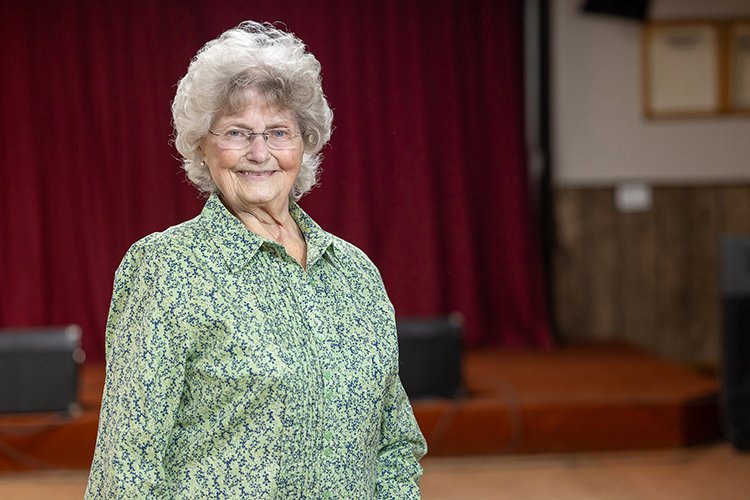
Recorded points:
(708,473)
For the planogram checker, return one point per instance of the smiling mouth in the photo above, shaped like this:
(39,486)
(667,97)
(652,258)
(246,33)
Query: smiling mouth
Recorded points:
(249,173)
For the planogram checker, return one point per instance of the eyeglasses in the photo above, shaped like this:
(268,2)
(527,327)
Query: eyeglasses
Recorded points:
(240,138)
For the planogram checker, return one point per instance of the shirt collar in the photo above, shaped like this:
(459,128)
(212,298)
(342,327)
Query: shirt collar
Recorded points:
(319,242)
(238,245)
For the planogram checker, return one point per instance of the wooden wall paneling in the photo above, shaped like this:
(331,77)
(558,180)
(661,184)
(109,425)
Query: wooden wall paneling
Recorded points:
(571,307)
(671,315)
(650,278)
(599,244)
(735,209)
(700,343)
(734,205)
(636,282)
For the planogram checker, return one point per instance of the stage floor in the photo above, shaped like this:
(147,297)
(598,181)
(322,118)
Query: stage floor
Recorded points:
(590,397)
(579,398)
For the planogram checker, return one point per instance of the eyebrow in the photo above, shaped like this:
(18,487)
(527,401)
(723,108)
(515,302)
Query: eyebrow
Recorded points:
(278,124)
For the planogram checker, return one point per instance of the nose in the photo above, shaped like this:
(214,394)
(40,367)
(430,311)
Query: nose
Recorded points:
(257,149)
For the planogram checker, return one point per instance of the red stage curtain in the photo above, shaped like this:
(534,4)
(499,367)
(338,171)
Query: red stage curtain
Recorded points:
(425,171)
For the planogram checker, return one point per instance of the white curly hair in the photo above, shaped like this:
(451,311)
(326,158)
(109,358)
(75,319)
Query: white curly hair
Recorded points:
(261,57)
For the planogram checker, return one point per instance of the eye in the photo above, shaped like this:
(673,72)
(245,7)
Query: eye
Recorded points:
(280,133)
(235,133)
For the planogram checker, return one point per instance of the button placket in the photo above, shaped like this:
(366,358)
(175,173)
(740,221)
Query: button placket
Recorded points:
(328,393)
(318,326)
(314,319)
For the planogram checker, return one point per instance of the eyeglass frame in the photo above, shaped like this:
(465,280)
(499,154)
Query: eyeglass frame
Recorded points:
(250,136)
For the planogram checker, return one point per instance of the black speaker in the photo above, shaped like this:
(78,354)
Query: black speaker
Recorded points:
(633,9)
(39,369)
(735,292)
(430,356)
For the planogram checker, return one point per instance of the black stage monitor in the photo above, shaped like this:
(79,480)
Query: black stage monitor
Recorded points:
(430,356)
(735,305)
(39,369)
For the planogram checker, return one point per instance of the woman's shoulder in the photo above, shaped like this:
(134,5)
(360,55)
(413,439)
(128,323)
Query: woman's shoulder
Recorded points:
(350,255)
(174,244)
(174,238)
(346,249)
(159,266)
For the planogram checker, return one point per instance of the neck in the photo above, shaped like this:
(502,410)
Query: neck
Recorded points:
(262,219)
(277,227)
(274,223)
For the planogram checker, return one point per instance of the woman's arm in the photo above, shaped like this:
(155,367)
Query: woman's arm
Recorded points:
(145,368)
(401,447)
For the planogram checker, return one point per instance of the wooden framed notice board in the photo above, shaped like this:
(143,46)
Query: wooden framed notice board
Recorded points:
(696,68)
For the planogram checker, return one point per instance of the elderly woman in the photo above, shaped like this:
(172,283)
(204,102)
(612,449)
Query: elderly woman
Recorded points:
(251,354)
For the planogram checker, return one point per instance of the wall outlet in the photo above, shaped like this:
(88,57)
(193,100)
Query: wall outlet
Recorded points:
(633,197)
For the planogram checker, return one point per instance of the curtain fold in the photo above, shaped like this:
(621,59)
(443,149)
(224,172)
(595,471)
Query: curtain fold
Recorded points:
(425,170)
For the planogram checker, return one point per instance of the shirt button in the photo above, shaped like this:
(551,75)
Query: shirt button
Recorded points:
(327,435)
(326,452)
(326,495)
(327,374)
(329,394)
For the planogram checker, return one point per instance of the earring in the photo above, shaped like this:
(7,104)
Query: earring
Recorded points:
(203,163)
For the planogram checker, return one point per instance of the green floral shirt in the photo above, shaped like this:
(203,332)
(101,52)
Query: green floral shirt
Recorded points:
(232,372)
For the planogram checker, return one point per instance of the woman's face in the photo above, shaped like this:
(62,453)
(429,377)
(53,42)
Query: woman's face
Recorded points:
(256,176)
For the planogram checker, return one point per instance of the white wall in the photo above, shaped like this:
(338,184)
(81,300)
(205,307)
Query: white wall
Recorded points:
(600,136)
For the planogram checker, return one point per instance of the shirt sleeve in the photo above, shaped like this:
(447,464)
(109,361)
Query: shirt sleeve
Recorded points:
(145,367)
(401,447)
